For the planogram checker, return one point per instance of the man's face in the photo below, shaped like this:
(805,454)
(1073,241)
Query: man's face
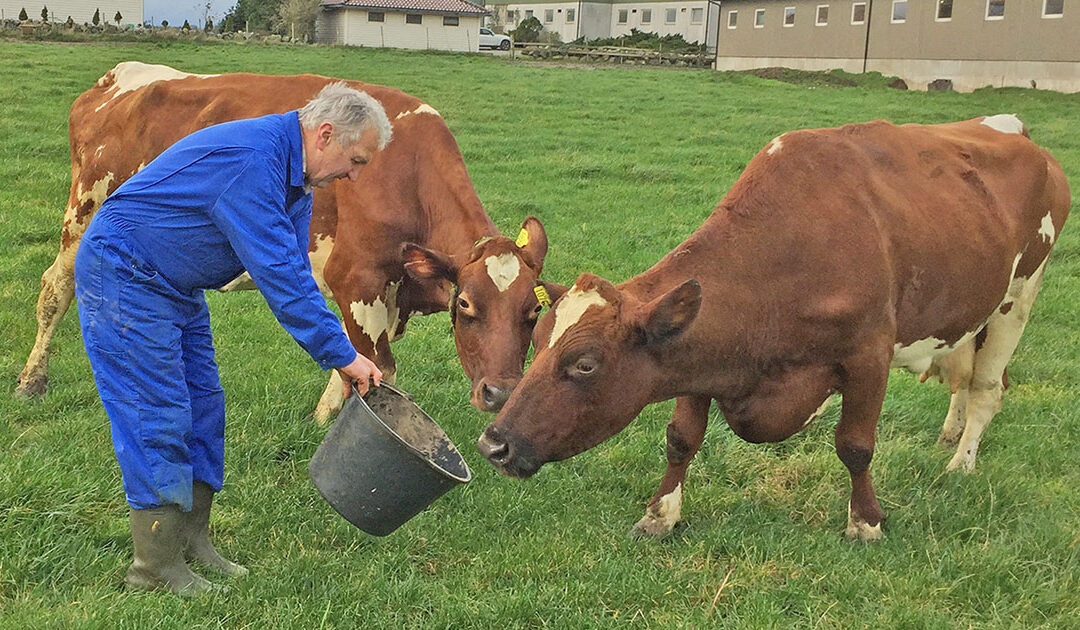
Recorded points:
(334,161)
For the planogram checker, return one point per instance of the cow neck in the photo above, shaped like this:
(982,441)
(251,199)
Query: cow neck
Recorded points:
(716,255)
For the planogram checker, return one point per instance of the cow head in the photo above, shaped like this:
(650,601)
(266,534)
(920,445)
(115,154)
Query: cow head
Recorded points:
(597,359)
(493,307)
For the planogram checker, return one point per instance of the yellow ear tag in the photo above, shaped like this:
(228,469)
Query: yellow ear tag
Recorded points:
(542,295)
(522,239)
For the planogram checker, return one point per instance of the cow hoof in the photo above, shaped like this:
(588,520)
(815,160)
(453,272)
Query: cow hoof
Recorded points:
(863,531)
(650,527)
(32,389)
(963,462)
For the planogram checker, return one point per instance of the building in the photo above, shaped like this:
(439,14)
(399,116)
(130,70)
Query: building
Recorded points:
(80,11)
(418,24)
(973,43)
(612,18)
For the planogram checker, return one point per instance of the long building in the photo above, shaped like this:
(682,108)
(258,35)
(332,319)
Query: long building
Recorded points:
(612,18)
(973,43)
(418,24)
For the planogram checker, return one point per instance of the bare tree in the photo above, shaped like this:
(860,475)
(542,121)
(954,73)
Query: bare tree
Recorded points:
(298,17)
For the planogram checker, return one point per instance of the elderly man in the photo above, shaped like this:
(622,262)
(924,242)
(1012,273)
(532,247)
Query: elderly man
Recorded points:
(225,199)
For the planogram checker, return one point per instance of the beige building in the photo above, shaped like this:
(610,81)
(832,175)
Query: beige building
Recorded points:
(418,24)
(973,43)
(81,11)
(612,18)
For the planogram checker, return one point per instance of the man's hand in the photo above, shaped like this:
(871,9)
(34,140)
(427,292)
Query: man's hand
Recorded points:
(360,371)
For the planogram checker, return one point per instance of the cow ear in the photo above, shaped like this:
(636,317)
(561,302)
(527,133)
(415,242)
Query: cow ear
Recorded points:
(532,240)
(670,314)
(425,264)
(554,291)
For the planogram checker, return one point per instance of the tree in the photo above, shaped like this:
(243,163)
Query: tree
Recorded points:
(528,30)
(209,25)
(252,15)
(44,14)
(164,24)
(70,22)
(117,18)
(22,15)
(97,17)
(186,26)
(297,17)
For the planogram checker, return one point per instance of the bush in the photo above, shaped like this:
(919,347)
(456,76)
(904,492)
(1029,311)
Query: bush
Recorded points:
(528,30)
(22,15)
(649,41)
(97,17)
(44,14)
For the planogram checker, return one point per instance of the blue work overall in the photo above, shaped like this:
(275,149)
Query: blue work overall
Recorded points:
(222,200)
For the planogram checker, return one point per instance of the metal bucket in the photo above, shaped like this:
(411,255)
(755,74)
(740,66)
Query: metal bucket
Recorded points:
(384,461)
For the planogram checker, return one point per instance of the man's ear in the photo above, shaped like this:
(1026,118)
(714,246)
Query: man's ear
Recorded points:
(323,134)
(532,240)
(425,264)
(670,314)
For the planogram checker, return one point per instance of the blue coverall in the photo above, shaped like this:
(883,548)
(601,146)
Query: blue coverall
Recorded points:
(222,200)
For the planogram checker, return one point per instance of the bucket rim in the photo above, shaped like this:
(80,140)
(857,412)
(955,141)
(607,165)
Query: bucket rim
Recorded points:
(446,473)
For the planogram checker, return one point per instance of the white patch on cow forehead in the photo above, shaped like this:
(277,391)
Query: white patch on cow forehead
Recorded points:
(423,108)
(132,75)
(1005,123)
(571,308)
(503,270)
(378,316)
(1046,230)
(775,145)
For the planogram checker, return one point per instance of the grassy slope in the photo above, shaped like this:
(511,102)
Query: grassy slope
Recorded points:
(621,166)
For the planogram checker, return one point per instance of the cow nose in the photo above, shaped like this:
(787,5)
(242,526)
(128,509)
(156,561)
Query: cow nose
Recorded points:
(493,448)
(494,397)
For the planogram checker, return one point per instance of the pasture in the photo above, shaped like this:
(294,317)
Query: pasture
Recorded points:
(620,165)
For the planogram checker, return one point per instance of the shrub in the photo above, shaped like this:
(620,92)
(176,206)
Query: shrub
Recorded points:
(97,17)
(186,26)
(528,30)
(22,15)
(117,18)
(44,14)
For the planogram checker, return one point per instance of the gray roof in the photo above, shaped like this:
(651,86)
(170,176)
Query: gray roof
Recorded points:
(443,7)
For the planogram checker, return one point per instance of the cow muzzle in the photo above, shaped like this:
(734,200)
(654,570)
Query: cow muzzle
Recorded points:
(511,457)
(489,396)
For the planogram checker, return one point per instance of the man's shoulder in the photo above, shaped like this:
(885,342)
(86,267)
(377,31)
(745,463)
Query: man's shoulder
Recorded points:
(267,134)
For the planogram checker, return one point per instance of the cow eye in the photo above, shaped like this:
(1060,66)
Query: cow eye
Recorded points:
(585,366)
(463,304)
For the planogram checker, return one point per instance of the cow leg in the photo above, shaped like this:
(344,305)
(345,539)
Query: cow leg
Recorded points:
(956,369)
(54,300)
(863,392)
(685,433)
(1003,331)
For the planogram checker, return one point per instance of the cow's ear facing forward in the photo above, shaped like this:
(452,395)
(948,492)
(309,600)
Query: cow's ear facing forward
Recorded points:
(670,314)
(532,240)
(425,264)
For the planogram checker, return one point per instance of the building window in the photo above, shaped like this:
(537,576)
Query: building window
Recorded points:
(944,11)
(669,16)
(789,16)
(732,18)
(822,17)
(414,18)
(759,18)
(646,16)
(995,9)
(549,16)
(696,15)
(1053,8)
(858,13)
(450,20)
(570,16)
(899,11)
(622,16)
(376,16)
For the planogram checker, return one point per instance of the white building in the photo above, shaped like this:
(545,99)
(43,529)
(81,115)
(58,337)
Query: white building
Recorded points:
(612,18)
(80,11)
(418,24)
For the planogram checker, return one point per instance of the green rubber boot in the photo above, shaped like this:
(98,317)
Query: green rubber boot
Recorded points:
(197,534)
(159,560)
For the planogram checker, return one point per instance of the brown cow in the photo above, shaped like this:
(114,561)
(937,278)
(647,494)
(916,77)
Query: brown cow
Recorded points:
(837,254)
(414,191)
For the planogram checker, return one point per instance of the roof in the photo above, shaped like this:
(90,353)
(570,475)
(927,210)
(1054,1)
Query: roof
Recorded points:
(444,7)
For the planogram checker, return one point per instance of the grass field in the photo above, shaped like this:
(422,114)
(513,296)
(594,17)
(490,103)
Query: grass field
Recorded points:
(621,165)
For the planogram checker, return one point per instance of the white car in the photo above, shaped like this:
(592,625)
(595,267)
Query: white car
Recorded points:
(491,40)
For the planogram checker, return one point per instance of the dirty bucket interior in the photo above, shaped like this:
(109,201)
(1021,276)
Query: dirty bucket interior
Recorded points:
(417,430)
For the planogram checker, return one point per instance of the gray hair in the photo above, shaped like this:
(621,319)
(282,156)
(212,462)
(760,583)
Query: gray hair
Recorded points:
(352,112)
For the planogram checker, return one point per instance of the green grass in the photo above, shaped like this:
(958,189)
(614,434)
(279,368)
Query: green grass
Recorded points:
(621,165)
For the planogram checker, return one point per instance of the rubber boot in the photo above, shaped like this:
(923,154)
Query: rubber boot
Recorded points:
(197,533)
(159,560)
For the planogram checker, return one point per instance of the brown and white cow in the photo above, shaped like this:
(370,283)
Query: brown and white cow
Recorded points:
(837,254)
(414,191)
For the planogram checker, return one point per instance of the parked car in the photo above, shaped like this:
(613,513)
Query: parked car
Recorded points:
(489,39)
